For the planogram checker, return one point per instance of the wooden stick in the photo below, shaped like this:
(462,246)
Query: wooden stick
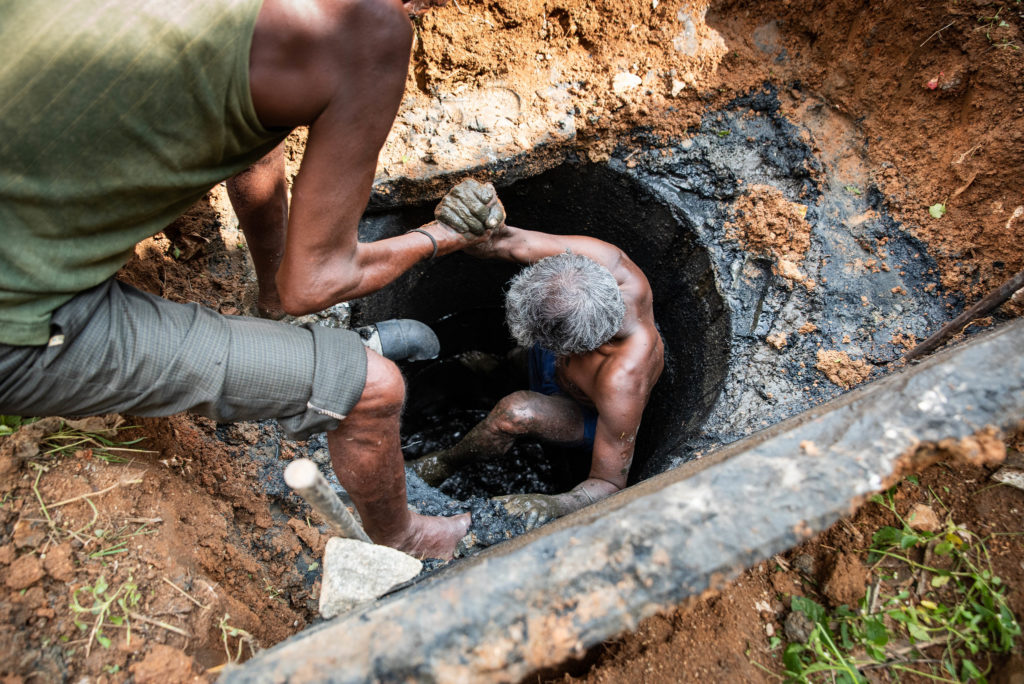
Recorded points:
(184,593)
(982,307)
(158,623)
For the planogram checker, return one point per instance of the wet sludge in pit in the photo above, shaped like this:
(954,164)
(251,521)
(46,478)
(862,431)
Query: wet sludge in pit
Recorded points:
(461,298)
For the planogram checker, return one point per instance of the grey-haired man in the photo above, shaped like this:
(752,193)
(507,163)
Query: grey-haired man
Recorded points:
(583,309)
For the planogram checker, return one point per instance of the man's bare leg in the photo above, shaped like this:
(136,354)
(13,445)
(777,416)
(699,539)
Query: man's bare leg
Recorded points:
(524,413)
(367,458)
(259,196)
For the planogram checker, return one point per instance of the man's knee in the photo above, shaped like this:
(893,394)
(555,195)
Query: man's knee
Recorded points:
(515,414)
(384,390)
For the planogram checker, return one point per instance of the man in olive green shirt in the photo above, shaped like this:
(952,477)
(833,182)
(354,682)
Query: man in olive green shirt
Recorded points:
(116,117)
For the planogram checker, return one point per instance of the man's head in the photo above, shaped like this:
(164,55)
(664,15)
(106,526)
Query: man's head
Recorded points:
(568,304)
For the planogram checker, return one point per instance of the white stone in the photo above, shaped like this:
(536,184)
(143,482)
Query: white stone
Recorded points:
(686,41)
(1010,476)
(677,87)
(624,81)
(356,572)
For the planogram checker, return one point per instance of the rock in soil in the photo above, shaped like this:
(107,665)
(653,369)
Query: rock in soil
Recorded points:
(798,627)
(356,572)
(846,582)
(923,518)
(25,572)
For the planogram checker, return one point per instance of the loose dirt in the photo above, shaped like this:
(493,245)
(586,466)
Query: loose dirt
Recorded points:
(841,369)
(766,223)
(210,569)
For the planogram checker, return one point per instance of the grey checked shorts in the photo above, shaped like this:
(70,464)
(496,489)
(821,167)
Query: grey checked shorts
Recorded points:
(115,349)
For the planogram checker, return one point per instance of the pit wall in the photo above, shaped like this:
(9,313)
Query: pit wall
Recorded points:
(508,81)
(745,319)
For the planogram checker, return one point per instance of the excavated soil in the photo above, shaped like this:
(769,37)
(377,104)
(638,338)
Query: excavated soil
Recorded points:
(211,568)
(727,635)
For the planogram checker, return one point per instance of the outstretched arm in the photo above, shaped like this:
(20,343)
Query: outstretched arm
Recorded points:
(339,66)
(530,246)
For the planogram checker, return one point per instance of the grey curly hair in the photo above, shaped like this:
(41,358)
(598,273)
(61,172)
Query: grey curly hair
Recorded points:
(567,304)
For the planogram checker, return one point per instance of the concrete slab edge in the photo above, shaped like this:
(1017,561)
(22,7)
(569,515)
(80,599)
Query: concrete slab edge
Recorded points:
(552,594)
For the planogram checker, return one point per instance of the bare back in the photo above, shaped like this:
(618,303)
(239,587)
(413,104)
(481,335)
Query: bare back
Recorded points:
(617,377)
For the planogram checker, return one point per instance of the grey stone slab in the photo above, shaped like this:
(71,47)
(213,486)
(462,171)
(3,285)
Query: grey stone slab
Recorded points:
(551,594)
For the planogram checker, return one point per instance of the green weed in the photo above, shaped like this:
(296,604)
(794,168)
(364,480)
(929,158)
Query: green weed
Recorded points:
(105,605)
(992,23)
(116,541)
(67,441)
(10,424)
(959,606)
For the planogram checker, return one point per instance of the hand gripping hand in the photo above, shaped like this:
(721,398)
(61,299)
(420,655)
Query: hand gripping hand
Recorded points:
(471,207)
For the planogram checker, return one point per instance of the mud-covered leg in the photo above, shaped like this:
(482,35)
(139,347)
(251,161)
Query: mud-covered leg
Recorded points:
(520,414)
(367,458)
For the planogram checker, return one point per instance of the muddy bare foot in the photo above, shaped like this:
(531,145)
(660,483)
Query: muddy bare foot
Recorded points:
(433,537)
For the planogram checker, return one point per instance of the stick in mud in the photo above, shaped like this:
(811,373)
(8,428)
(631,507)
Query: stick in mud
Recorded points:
(982,307)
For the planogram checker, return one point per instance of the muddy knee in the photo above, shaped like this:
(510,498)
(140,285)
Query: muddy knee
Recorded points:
(515,414)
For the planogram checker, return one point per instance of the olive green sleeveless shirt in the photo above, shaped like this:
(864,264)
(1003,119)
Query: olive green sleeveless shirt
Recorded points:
(115,116)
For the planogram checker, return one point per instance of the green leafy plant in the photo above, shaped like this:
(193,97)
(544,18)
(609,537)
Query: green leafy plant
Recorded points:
(10,424)
(937,210)
(108,609)
(853,190)
(724,133)
(959,606)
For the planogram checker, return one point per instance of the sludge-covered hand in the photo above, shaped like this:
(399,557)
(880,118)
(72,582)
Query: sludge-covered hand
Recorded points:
(471,207)
(535,509)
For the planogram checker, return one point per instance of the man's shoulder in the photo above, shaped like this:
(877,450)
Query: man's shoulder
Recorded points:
(306,54)
(630,357)
(320,22)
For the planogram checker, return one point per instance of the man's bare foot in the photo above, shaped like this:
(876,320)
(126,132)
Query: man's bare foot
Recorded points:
(432,537)
(431,468)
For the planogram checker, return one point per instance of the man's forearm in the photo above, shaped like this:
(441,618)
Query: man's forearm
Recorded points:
(366,269)
(587,492)
(381,262)
(529,246)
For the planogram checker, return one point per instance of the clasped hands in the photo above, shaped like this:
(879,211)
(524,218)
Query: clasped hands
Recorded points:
(473,210)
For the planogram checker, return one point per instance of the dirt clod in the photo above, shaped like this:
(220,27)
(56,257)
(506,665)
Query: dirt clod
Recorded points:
(776,340)
(164,665)
(840,369)
(846,580)
(922,518)
(58,564)
(24,572)
(798,627)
